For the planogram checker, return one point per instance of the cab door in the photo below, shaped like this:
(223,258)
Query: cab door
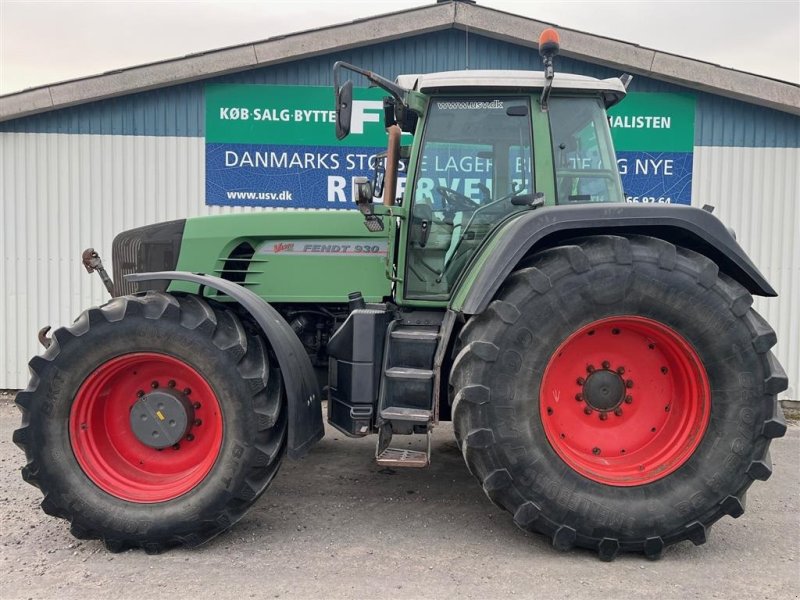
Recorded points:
(475,157)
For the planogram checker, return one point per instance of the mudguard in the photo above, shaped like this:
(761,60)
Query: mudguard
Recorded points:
(685,226)
(302,390)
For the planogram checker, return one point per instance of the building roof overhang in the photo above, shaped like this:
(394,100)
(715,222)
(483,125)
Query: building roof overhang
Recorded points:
(625,56)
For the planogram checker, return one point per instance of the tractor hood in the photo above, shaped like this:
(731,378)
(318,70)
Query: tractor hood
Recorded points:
(289,256)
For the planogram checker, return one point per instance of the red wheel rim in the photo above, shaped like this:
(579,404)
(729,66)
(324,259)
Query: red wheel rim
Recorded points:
(109,452)
(625,401)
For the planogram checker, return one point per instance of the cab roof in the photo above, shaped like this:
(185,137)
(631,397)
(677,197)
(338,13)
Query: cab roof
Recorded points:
(612,90)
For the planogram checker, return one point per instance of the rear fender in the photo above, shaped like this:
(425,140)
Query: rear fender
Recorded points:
(302,390)
(685,226)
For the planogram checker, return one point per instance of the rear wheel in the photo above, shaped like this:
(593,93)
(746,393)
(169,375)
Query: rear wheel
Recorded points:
(152,421)
(618,394)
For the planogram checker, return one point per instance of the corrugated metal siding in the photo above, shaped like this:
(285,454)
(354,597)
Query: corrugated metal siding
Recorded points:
(60,194)
(755,191)
(179,110)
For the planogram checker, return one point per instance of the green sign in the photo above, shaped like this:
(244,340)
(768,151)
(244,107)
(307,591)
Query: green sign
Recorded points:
(290,115)
(653,122)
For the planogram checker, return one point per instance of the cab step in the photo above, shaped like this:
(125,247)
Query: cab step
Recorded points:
(409,373)
(401,413)
(401,457)
(409,459)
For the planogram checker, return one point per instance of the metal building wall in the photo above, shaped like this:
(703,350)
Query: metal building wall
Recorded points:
(73,178)
(754,191)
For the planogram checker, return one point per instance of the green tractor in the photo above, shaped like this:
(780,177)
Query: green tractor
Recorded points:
(608,382)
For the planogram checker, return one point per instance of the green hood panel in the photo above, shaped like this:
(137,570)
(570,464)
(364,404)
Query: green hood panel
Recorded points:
(298,256)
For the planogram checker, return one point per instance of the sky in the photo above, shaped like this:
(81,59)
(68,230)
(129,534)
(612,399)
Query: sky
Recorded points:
(43,42)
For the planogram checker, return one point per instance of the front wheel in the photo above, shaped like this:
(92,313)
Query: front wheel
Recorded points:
(152,421)
(618,394)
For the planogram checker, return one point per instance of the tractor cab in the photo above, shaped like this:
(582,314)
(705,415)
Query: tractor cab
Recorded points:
(486,146)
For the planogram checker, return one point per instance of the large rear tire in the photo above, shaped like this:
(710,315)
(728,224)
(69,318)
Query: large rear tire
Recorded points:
(202,371)
(619,394)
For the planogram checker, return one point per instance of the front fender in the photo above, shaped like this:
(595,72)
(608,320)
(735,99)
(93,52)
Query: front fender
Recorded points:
(685,226)
(302,390)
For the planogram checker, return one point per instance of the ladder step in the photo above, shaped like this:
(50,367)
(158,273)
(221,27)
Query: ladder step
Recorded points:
(422,335)
(406,373)
(397,457)
(398,413)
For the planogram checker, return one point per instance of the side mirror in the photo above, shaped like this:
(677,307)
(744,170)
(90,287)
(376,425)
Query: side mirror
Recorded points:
(363,194)
(344,109)
(379,175)
(364,203)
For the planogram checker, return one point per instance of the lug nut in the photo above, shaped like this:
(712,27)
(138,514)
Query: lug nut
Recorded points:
(666,408)
(154,384)
(589,368)
(171,383)
(189,437)
(628,399)
(629,383)
(140,393)
(606,364)
(198,422)
(580,381)
(621,370)
(618,411)
(587,410)
(579,397)
(176,447)
(664,370)
(603,416)
(615,331)
(196,405)
(187,391)
(595,450)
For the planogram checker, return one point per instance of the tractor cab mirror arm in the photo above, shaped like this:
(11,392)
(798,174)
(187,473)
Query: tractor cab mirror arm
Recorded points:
(344,94)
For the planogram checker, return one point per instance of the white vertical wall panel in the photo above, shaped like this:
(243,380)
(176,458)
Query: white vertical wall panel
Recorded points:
(757,192)
(60,193)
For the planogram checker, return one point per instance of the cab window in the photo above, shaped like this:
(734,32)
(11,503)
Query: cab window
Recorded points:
(585,163)
(474,160)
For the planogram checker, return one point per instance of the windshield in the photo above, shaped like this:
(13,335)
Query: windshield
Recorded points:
(475,157)
(585,164)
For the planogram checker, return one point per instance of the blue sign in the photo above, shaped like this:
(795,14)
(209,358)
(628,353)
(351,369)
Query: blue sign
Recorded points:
(662,178)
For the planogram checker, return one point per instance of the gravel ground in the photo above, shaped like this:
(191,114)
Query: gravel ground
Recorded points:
(334,525)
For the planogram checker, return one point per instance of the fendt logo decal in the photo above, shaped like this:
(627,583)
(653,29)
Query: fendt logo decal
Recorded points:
(325,248)
(282,247)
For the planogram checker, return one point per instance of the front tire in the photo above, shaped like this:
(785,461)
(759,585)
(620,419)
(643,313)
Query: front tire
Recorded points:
(203,371)
(619,394)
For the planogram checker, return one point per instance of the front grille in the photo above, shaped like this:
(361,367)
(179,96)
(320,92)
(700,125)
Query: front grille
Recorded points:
(144,250)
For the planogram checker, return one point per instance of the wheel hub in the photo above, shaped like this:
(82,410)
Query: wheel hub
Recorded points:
(135,433)
(604,390)
(161,418)
(641,400)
